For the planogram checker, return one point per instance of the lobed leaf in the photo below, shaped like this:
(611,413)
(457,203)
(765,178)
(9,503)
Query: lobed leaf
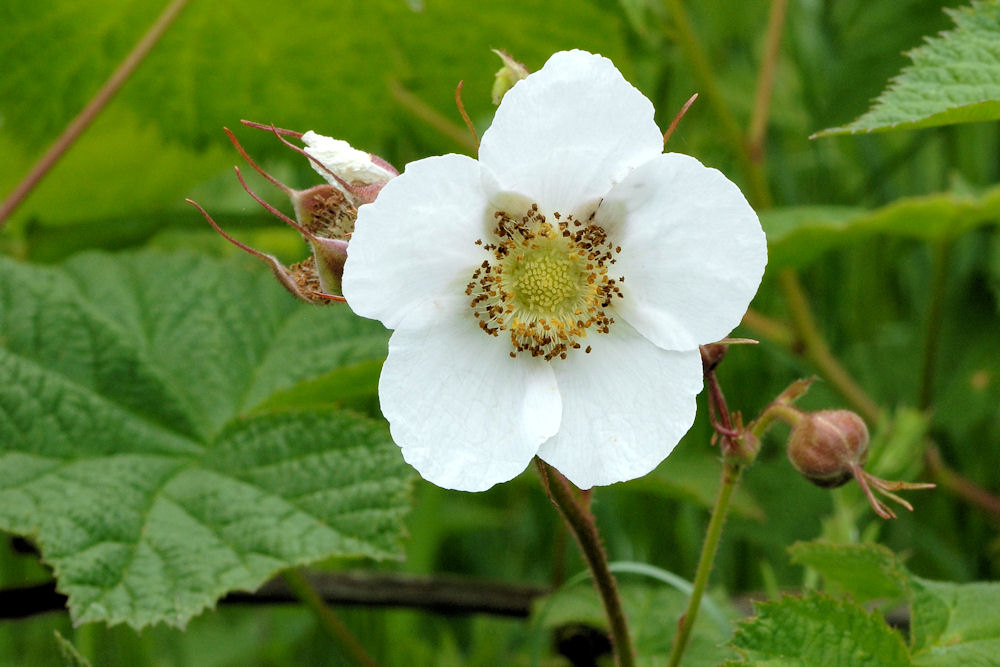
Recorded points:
(132,450)
(954,78)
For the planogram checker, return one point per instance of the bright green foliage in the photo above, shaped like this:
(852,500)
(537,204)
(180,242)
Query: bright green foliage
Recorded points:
(819,630)
(954,78)
(797,236)
(955,624)
(131,450)
(867,571)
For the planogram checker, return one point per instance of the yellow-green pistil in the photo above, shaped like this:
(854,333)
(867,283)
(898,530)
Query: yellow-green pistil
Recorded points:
(546,284)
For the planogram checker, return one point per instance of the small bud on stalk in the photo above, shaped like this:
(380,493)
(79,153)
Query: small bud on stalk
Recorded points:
(511,72)
(324,214)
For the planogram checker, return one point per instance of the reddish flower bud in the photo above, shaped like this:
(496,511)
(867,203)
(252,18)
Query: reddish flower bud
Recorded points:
(825,446)
(831,446)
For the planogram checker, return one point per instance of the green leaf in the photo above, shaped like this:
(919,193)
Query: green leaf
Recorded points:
(955,624)
(131,448)
(797,236)
(954,78)
(867,571)
(818,630)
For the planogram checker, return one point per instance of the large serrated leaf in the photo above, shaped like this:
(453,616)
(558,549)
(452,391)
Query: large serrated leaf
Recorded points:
(797,236)
(954,78)
(131,448)
(955,624)
(867,571)
(818,630)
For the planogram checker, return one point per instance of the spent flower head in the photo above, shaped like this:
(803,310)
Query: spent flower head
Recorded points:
(324,214)
(550,297)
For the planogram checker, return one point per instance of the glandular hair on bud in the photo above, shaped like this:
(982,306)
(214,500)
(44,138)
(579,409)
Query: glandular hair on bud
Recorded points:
(827,446)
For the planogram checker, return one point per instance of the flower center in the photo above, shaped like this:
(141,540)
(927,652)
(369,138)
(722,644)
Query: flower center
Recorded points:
(545,284)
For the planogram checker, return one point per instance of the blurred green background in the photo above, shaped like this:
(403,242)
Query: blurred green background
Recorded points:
(382,74)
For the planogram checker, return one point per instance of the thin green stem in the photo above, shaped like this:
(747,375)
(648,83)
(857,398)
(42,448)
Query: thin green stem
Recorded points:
(817,351)
(581,523)
(775,411)
(689,43)
(97,104)
(333,625)
(939,289)
(730,478)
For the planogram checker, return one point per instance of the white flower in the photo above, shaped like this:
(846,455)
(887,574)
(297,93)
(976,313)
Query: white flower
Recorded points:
(549,299)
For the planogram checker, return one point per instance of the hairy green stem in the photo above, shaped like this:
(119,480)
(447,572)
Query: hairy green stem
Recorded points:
(939,289)
(333,625)
(730,478)
(97,104)
(581,523)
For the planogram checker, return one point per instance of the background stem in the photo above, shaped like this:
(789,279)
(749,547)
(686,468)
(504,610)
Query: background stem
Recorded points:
(333,625)
(759,193)
(765,81)
(100,100)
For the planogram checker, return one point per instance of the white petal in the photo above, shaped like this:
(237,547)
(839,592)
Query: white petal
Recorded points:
(465,414)
(414,246)
(625,407)
(565,134)
(693,251)
(354,166)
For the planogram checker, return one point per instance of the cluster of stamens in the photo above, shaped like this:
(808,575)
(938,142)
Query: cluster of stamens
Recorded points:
(546,283)
(327,213)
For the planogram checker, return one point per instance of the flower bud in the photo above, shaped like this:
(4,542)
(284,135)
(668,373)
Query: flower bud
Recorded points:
(511,72)
(826,447)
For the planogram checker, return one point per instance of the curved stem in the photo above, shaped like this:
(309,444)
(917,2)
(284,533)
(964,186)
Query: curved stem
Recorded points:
(730,478)
(100,100)
(333,625)
(584,528)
